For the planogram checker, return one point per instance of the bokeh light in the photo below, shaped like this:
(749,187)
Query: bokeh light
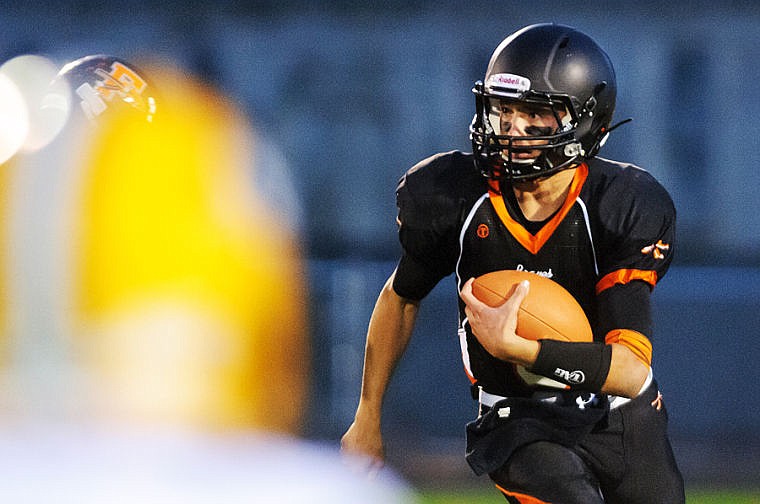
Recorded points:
(14,119)
(38,104)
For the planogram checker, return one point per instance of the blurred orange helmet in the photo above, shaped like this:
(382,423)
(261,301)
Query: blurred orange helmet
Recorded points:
(100,83)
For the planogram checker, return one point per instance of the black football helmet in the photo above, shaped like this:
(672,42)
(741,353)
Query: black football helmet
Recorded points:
(100,83)
(551,66)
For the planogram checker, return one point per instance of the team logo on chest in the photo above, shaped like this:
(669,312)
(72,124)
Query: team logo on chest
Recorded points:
(482,231)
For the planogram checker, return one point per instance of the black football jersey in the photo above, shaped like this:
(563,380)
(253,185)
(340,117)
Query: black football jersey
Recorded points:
(608,245)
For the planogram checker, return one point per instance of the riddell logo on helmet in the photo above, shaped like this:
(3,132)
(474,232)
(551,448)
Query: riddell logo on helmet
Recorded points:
(511,82)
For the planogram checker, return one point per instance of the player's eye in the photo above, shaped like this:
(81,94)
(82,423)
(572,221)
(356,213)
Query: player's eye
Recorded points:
(539,113)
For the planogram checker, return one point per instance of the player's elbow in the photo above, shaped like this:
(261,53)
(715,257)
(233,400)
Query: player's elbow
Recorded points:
(627,373)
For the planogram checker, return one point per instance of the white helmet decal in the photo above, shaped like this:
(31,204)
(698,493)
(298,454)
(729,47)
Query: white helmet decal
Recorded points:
(506,84)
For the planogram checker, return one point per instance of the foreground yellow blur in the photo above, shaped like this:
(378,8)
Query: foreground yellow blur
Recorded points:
(178,295)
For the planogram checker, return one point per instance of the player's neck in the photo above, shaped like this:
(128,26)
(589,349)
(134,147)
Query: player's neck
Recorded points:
(540,198)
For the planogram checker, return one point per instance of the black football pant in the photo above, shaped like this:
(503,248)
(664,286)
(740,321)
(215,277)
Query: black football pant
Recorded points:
(627,459)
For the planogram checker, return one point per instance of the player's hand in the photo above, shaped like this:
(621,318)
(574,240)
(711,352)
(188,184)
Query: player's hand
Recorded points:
(362,447)
(495,327)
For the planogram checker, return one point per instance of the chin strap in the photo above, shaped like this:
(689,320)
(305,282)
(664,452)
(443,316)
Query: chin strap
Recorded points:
(608,131)
(616,126)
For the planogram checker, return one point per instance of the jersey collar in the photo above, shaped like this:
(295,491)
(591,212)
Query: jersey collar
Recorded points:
(533,243)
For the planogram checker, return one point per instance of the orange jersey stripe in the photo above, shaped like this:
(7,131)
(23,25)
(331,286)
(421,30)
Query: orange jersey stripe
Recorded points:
(625,276)
(521,498)
(472,379)
(534,243)
(635,341)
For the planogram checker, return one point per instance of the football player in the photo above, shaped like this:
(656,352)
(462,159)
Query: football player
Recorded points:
(534,196)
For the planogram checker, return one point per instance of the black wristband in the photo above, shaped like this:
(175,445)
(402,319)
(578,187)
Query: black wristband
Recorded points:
(583,366)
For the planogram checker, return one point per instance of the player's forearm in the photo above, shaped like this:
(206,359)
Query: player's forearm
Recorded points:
(627,373)
(389,332)
(609,368)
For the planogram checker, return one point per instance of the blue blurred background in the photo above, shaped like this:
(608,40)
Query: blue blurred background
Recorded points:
(349,94)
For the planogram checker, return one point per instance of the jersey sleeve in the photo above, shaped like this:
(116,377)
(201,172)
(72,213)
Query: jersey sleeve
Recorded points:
(427,220)
(638,218)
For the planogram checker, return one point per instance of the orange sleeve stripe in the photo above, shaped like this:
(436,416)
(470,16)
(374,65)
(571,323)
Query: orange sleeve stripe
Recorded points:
(521,498)
(635,341)
(625,276)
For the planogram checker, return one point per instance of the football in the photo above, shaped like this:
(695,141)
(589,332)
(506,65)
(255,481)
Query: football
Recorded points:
(548,312)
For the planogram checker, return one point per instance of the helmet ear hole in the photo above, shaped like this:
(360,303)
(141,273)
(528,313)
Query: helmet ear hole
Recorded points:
(592,101)
(590,105)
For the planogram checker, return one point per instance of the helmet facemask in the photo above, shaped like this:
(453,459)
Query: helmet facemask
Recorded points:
(542,151)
